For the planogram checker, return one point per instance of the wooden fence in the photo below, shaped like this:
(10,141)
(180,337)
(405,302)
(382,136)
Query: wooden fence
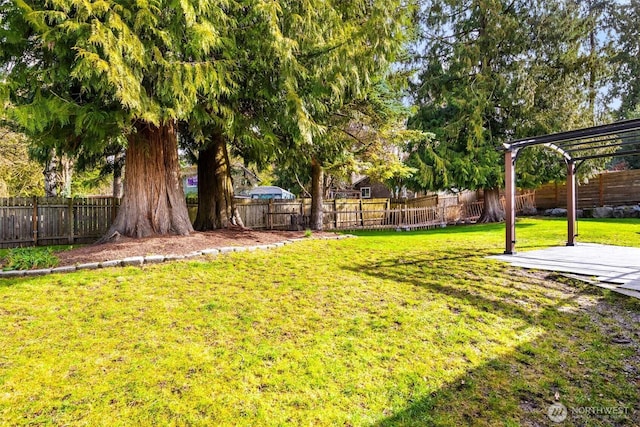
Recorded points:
(610,188)
(50,221)
(26,221)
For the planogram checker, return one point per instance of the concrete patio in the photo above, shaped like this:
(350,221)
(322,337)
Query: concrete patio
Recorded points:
(612,267)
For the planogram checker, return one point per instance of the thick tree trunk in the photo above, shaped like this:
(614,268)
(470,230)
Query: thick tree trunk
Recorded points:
(493,211)
(216,206)
(153,201)
(316,195)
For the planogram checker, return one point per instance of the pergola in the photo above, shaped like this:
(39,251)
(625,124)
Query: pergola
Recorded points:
(576,147)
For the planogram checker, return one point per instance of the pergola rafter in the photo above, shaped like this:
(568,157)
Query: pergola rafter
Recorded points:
(576,147)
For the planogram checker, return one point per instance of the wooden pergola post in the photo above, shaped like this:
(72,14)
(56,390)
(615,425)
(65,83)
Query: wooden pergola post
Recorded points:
(510,202)
(571,203)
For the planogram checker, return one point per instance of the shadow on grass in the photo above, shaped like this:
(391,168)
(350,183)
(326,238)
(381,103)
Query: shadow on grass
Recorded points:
(518,389)
(454,276)
(574,360)
(452,229)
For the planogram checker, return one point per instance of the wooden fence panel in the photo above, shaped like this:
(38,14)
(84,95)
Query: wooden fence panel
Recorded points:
(54,220)
(418,202)
(46,221)
(253,213)
(16,222)
(621,188)
(610,188)
(92,217)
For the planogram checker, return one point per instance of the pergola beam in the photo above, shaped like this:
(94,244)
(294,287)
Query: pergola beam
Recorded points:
(571,203)
(610,137)
(601,156)
(624,126)
(510,201)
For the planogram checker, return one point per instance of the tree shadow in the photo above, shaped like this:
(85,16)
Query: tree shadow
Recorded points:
(574,361)
(452,229)
(519,388)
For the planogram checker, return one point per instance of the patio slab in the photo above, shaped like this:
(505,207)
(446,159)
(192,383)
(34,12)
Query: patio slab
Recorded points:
(617,266)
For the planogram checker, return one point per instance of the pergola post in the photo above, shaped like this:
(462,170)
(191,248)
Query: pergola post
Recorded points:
(510,202)
(571,203)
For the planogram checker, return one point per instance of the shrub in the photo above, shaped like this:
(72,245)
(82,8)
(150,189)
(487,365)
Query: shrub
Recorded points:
(28,258)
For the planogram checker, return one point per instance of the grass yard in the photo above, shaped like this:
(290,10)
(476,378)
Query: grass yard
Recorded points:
(388,329)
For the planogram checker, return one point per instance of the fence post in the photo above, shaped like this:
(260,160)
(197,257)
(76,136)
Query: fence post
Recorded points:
(34,221)
(70,218)
(388,213)
(361,214)
(601,189)
(335,213)
(269,214)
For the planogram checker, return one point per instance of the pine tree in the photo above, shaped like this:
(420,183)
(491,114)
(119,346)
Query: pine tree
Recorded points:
(84,73)
(494,71)
(347,48)
(626,85)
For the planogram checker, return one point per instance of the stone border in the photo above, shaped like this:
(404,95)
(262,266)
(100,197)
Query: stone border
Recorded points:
(156,259)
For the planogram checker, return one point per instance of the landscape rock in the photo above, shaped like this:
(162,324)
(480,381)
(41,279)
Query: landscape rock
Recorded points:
(11,273)
(38,272)
(226,249)
(153,259)
(558,212)
(210,252)
(88,266)
(603,212)
(64,269)
(618,212)
(134,260)
(628,211)
(111,263)
(194,254)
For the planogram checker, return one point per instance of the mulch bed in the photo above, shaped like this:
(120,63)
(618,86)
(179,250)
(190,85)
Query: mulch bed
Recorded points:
(175,245)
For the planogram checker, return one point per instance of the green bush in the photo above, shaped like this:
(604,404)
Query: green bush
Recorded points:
(28,258)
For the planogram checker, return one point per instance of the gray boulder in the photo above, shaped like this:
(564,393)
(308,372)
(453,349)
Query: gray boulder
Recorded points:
(558,212)
(603,212)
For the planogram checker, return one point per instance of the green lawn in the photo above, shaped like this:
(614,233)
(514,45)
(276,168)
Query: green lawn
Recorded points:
(387,329)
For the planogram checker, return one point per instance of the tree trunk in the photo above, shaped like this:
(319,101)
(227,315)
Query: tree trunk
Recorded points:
(316,195)
(216,206)
(51,176)
(493,211)
(66,175)
(153,201)
(117,175)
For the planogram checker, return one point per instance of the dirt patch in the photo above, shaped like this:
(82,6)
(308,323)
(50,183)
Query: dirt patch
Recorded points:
(175,245)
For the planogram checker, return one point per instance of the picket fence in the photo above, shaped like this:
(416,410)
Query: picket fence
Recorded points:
(51,221)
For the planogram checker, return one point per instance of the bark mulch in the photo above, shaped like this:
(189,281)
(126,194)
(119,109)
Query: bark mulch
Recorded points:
(175,245)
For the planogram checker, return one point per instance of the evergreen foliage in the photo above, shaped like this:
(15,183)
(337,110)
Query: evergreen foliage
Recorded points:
(494,71)
(19,176)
